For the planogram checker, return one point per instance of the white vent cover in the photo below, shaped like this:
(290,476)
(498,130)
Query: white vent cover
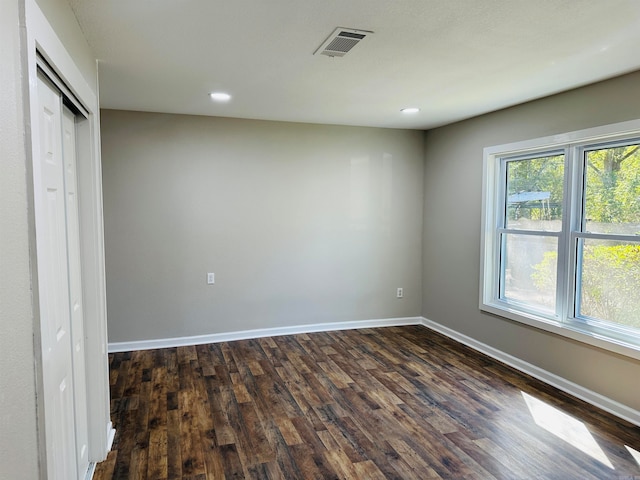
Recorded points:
(341,41)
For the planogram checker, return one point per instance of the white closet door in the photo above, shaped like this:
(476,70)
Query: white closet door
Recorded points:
(75,290)
(53,285)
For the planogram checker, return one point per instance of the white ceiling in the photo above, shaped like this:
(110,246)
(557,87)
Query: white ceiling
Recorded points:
(453,59)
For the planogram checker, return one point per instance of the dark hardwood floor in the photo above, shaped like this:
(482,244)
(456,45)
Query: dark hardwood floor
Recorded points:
(395,403)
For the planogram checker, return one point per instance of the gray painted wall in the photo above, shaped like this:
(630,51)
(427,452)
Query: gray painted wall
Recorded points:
(18,440)
(451,239)
(301,224)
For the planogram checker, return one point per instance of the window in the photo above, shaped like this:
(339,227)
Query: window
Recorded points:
(561,235)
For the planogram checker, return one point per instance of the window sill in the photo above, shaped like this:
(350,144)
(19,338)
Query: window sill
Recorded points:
(564,330)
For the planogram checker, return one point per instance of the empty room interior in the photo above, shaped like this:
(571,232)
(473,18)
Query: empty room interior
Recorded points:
(320,240)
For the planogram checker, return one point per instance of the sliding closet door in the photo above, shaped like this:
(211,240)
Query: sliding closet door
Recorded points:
(60,288)
(75,289)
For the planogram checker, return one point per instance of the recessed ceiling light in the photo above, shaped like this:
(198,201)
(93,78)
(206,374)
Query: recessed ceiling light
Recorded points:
(220,96)
(410,110)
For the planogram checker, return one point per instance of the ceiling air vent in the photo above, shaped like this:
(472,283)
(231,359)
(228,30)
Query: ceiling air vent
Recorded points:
(341,41)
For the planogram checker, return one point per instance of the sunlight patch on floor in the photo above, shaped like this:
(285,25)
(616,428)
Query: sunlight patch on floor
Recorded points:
(566,428)
(634,453)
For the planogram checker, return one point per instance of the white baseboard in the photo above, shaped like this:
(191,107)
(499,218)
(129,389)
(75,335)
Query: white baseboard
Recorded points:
(111,435)
(260,333)
(616,408)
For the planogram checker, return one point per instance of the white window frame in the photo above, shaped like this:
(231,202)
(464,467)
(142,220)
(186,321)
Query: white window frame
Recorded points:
(563,323)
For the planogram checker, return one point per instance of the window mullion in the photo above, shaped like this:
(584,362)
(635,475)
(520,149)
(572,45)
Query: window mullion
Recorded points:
(574,200)
(577,228)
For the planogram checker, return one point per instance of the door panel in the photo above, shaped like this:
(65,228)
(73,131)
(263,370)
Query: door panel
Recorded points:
(62,441)
(75,289)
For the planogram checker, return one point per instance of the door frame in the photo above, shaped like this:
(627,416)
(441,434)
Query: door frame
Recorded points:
(41,39)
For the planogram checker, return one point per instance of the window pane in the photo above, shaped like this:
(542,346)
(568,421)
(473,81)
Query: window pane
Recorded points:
(529,270)
(612,194)
(534,193)
(609,282)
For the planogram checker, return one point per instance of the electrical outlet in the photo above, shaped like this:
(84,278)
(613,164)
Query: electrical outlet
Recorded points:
(211,278)
(400,293)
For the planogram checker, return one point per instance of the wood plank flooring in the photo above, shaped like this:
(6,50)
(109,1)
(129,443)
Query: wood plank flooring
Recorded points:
(388,403)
